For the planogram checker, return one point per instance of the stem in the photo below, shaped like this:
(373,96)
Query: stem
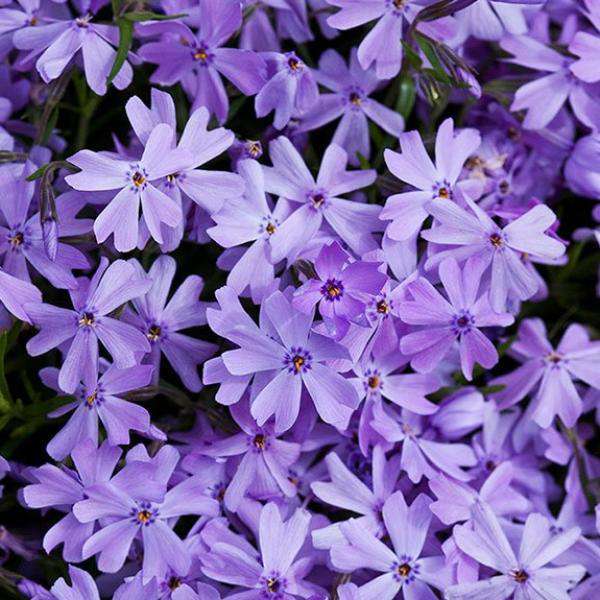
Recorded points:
(83,128)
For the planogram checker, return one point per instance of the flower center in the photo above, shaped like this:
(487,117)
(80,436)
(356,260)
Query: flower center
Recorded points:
(16,239)
(91,399)
(317,198)
(443,193)
(404,569)
(373,382)
(355,99)
(554,358)
(294,63)
(504,187)
(298,360)
(174,583)
(273,585)
(463,322)
(144,516)
(254,148)
(332,290)
(83,22)
(496,240)
(138,179)
(520,576)
(154,332)
(260,441)
(86,319)
(383,307)
(201,55)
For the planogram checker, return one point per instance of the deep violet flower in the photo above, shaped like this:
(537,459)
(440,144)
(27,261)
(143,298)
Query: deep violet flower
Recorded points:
(161,321)
(319,200)
(342,288)
(446,322)
(99,398)
(554,369)
(88,322)
(54,43)
(501,249)
(280,572)
(523,574)
(295,359)
(135,181)
(199,60)
(351,87)
(439,181)
(291,89)
(403,569)
(133,505)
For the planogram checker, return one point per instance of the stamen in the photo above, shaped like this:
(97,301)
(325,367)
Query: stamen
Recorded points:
(373,382)
(496,240)
(154,332)
(404,570)
(91,399)
(138,179)
(144,516)
(86,319)
(270,228)
(260,441)
(298,363)
(520,576)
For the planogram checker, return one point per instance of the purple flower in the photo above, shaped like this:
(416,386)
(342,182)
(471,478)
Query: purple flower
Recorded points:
(161,321)
(383,44)
(422,455)
(135,182)
(543,97)
(15,294)
(342,288)
(56,42)
(263,468)
(199,60)
(208,189)
(22,240)
(134,505)
(291,89)
(253,219)
(293,359)
(348,492)
(376,378)
(432,182)
(403,569)
(575,357)
(289,177)
(99,398)
(524,574)
(61,488)
(279,574)
(351,87)
(445,322)
(82,586)
(500,249)
(109,288)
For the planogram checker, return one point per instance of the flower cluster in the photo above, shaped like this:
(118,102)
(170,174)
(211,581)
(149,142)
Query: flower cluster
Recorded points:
(297,299)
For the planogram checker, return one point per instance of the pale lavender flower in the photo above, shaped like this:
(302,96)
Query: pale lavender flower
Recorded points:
(405,572)
(446,322)
(291,88)
(88,322)
(438,182)
(319,200)
(474,233)
(523,574)
(136,181)
(161,321)
(575,358)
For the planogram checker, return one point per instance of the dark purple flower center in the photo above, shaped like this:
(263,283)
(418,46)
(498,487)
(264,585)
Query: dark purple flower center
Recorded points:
(83,22)
(504,187)
(520,576)
(154,332)
(273,586)
(294,63)
(496,240)
(383,307)
(86,319)
(16,239)
(298,360)
(174,583)
(443,190)
(260,441)
(93,398)
(332,290)
(318,198)
(463,322)
(554,358)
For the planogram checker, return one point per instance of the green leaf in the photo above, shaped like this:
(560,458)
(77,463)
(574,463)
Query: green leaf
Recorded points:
(406,96)
(125,40)
(146,15)
(429,50)
(38,172)
(5,395)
